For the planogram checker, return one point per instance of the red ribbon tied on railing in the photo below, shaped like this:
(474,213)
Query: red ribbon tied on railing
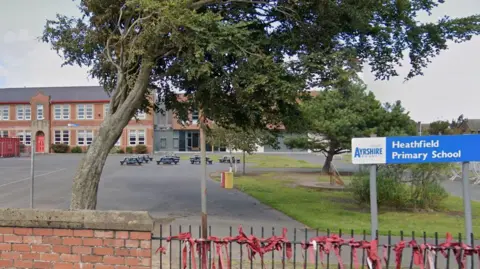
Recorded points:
(323,244)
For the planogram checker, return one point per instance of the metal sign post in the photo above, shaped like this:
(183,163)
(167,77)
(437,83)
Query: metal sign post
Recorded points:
(419,149)
(467,207)
(32,171)
(373,200)
(203,183)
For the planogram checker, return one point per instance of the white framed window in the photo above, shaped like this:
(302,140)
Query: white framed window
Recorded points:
(40,115)
(194,116)
(4,113)
(25,137)
(24,112)
(163,143)
(136,137)
(61,112)
(85,112)
(3,133)
(106,110)
(175,139)
(84,137)
(141,115)
(62,137)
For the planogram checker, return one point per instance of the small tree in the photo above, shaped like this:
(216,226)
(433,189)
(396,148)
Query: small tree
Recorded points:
(235,138)
(439,127)
(334,117)
(456,126)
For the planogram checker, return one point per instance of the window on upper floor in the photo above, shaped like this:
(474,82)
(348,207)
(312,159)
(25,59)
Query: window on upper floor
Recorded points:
(85,112)
(3,133)
(24,112)
(106,110)
(61,112)
(40,115)
(141,114)
(194,116)
(4,113)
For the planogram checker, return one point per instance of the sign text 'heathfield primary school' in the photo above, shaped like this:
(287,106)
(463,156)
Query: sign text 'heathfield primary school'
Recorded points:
(416,149)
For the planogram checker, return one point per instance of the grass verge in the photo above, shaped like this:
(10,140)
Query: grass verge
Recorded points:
(264,160)
(337,210)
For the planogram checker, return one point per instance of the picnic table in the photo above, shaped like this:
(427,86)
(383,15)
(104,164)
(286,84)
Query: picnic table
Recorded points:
(168,160)
(130,161)
(227,159)
(144,158)
(196,159)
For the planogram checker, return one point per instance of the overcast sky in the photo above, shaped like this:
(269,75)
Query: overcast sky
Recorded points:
(450,86)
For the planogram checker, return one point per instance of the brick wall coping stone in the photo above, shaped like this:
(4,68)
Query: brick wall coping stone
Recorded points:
(78,219)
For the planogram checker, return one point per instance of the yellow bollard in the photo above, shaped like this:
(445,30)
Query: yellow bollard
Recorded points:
(228,180)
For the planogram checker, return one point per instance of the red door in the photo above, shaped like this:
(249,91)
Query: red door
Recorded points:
(40,144)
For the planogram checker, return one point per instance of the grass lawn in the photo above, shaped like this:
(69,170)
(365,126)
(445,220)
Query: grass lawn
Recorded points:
(264,160)
(337,210)
(347,158)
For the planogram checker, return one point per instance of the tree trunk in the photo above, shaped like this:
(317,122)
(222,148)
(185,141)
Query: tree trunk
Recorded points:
(87,176)
(328,162)
(244,172)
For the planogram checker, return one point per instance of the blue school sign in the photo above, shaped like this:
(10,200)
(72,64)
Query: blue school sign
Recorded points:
(416,149)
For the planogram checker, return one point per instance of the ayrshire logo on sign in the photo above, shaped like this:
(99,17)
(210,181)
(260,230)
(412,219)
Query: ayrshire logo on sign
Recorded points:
(368,150)
(416,149)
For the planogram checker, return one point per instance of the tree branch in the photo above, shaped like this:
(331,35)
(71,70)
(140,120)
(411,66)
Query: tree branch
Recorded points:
(108,54)
(134,24)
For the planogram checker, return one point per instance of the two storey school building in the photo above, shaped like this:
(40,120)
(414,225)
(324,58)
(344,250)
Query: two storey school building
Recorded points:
(64,115)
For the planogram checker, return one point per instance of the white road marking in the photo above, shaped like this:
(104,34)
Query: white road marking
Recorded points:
(28,178)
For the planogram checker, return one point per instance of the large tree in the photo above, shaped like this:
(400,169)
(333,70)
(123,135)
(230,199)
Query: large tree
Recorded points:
(334,117)
(231,58)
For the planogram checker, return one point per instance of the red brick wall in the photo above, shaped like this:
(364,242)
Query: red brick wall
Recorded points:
(69,249)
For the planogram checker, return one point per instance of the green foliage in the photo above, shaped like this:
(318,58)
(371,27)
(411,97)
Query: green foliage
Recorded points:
(120,151)
(415,187)
(60,148)
(390,193)
(235,138)
(141,149)
(439,127)
(76,149)
(456,126)
(129,150)
(332,118)
(233,59)
(232,62)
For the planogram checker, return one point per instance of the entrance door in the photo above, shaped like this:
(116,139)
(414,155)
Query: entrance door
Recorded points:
(40,142)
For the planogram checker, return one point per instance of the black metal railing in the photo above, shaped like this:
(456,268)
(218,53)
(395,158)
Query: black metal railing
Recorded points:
(182,247)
